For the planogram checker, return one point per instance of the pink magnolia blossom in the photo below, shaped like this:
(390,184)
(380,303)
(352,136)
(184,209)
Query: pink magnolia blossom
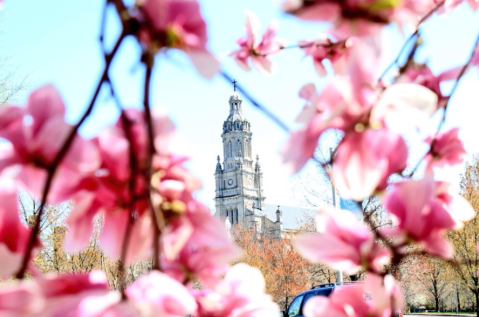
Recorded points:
(374,298)
(257,52)
(404,107)
(14,235)
(421,74)
(197,244)
(335,52)
(54,296)
(37,133)
(425,218)
(343,242)
(447,149)
(106,191)
(178,24)
(355,17)
(365,160)
(344,102)
(240,293)
(153,294)
(334,108)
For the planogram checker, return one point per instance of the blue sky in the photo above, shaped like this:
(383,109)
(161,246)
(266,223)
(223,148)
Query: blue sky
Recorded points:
(56,42)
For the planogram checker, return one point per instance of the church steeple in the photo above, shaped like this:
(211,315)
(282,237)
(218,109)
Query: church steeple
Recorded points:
(238,185)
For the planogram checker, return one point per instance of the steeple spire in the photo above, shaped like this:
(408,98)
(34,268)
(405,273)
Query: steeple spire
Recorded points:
(218,166)
(234,84)
(257,167)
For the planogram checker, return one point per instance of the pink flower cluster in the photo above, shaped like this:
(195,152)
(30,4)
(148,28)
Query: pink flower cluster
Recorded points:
(241,293)
(343,242)
(177,24)
(257,52)
(358,17)
(103,178)
(128,176)
(374,298)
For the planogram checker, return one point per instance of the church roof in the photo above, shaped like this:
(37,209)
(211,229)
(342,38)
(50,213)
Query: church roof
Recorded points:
(293,217)
(236,116)
(235,96)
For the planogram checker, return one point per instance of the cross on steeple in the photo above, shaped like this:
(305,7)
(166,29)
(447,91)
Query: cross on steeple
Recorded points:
(234,84)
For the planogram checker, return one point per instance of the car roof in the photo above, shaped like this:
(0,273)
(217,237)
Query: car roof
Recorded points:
(325,286)
(315,288)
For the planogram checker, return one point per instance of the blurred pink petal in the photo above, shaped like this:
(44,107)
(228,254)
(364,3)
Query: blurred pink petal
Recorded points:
(447,148)
(343,242)
(185,29)
(425,218)
(53,296)
(14,235)
(349,300)
(403,106)
(257,52)
(240,293)
(157,292)
(365,160)
(43,105)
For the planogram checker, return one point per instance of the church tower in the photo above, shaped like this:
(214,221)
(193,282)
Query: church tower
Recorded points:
(239,181)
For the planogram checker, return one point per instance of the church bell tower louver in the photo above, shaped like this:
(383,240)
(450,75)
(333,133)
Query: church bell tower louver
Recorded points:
(239,180)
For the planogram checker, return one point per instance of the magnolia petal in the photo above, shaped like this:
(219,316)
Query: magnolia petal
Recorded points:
(330,250)
(252,27)
(404,103)
(10,261)
(438,245)
(205,63)
(264,65)
(461,211)
(44,104)
(80,223)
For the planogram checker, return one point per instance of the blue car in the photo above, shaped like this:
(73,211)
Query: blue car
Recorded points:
(295,309)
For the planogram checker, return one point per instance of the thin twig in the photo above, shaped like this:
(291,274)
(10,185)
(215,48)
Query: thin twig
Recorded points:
(131,205)
(326,43)
(443,120)
(61,154)
(412,36)
(102,25)
(456,84)
(263,109)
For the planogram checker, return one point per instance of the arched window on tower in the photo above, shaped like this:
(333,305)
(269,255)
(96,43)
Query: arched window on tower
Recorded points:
(231,217)
(236,215)
(238,145)
(230,150)
(226,213)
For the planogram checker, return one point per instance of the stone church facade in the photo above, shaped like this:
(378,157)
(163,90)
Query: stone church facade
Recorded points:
(239,198)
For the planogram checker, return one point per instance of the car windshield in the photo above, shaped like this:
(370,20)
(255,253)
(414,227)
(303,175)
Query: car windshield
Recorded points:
(323,292)
(295,305)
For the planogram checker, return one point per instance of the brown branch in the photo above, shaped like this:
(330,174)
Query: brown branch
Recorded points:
(131,205)
(148,59)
